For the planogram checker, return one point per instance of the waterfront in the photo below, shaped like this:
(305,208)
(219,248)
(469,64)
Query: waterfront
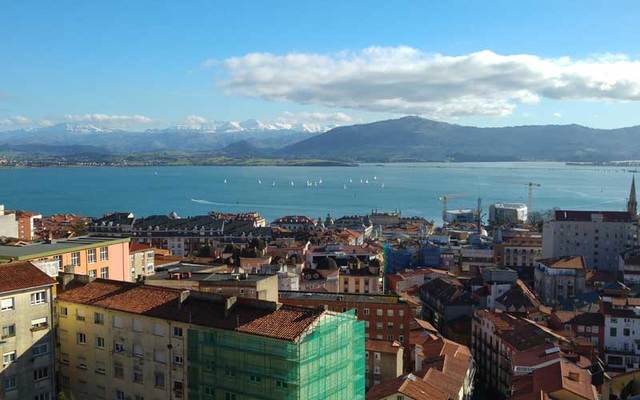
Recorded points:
(412,188)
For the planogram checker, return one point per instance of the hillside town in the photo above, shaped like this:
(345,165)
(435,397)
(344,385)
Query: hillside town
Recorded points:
(379,306)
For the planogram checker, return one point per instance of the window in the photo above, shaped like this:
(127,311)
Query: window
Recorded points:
(159,356)
(40,373)
(366,311)
(613,332)
(38,324)
(177,359)
(9,383)
(229,372)
(177,331)
(120,395)
(92,273)
(99,342)
(159,380)
(137,325)
(137,377)
(282,384)
(401,313)
(376,355)
(38,297)
(158,329)
(138,351)
(255,378)
(75,258)
(118,347)
(7,304)
(118,370)
(379,312)
(104,253)
(81,338)
(8,331)
(229,396)
(91,256)
(42,396)
(64,312)
(98,318)
(104,272)
(118,322)
(389,313)
(626,331)
(8,358)
(40,349)
(178,388)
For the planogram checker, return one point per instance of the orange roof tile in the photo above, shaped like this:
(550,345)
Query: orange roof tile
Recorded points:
(22,275)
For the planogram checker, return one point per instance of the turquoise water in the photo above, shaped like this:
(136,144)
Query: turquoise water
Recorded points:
(412,188)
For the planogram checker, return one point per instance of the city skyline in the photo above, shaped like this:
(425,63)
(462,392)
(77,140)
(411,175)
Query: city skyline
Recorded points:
(198,63)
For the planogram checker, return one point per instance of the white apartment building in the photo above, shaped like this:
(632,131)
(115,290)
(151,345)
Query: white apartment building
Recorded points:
(507,213)
(621,333)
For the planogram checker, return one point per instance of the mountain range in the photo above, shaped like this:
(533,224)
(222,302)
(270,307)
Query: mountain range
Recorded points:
(403,139)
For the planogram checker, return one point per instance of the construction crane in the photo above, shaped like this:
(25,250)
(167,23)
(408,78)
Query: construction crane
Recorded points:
(445,201)
(531,185)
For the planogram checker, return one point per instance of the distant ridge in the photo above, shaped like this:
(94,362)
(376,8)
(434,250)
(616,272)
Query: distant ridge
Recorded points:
(419,139)
(403,139)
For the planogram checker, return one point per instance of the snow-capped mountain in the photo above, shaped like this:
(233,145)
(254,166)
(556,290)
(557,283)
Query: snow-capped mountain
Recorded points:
(187,138)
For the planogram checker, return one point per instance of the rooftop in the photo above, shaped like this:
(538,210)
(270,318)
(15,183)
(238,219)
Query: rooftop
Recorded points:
(22,275)
(587,216)
(38,250)
(409,385)
(568,262)
(346,297)
(249,316)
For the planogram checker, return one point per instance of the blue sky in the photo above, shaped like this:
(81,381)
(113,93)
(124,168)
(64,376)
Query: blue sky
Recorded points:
(164,61)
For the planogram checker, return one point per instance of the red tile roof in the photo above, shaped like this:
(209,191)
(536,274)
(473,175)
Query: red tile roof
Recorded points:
(246,315)
(408,385)
(22,275)
(382,346)
(569,262)
(135,247)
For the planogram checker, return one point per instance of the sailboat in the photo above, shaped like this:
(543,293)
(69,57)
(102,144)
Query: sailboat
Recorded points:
(225,181)
(259,182)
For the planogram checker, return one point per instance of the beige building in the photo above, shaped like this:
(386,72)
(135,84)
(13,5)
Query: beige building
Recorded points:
(141,260)
(105,353)
(252,286)
(27,345)
(384,361)
(559,279)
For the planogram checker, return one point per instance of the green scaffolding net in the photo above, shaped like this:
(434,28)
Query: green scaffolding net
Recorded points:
(326,363)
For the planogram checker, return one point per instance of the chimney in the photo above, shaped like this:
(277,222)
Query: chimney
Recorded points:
(184,295)
(229,302)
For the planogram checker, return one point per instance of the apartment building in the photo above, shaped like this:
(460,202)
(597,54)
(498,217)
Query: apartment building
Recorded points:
(505,346)
(621,333)
(27,345)
(518,251)
(559,279)
(121,340)
(384,361)
(599,236)
(386,317)
(86,255)
(141,261)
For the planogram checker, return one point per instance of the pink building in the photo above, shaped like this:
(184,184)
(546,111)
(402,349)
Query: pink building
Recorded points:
(100,257)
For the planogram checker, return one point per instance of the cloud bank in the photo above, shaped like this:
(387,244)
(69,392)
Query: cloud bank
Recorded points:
(106,120)
(405,80)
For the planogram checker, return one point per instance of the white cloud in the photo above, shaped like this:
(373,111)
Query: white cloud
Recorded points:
(15,121)
(409,81)
(312,121)
(195,120)
(110,120)
(557,115)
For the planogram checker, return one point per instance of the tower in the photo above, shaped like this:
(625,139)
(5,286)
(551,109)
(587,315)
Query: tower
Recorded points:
(632,204)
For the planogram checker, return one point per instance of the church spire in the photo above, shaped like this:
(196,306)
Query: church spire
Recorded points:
(632,204)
